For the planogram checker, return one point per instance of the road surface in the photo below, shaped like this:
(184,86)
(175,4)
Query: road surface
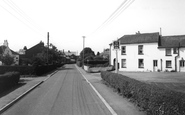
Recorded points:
(65,93)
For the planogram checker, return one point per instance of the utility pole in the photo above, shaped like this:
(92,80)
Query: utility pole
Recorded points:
(83,49)
(48,48)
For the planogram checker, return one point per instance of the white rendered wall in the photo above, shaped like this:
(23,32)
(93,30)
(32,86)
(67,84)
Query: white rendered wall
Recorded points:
(150,52)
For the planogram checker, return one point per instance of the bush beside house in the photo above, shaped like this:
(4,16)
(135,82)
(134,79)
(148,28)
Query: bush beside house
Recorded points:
(154,100)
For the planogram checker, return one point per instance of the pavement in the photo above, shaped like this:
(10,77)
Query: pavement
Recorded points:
(120,105)
(29,84)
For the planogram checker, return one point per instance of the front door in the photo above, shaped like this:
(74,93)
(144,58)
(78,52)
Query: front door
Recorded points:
(182,66)
(155,67)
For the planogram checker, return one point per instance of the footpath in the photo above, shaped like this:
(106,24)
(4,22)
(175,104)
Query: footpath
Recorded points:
(29,83)
(119,104)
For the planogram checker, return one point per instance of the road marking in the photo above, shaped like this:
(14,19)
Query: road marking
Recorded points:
(103,100)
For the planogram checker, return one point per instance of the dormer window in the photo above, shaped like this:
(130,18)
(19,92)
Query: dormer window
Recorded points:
(140,49)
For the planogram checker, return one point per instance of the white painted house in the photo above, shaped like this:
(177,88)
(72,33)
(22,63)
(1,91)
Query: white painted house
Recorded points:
(150,52)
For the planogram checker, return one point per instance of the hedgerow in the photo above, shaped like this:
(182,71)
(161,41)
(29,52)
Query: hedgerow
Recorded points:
(152,99)
(9,80)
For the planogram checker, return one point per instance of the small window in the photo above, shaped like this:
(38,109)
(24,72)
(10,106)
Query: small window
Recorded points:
(140,49)
(168,52)
(123,50)
(141,63)
(123,63)
(182,63)
(175,50)
(168,64)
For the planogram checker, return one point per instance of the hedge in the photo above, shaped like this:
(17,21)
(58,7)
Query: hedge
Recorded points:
(152,99)
(29,70)
(9,80)
(23,70)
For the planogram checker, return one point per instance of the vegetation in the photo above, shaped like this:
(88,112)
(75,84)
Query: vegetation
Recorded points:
(7,60)
(151,98)
(9,80)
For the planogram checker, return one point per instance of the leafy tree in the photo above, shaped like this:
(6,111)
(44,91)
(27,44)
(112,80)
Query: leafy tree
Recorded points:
(7,60)
(98,54)
(87,52)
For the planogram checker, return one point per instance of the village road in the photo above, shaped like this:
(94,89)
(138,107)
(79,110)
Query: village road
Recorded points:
(65,93)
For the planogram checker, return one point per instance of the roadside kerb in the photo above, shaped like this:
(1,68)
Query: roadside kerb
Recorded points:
(103,100)
(4,108)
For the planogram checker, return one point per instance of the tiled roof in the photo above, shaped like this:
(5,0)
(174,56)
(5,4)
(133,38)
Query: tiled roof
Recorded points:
(140,38)
(172,41)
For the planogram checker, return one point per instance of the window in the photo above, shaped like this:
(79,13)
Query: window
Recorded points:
(123,50)
(168,52)
(155,63)
(168,64)
(141,63)
(175,50)
(123,63)
(140,49)
(182,63)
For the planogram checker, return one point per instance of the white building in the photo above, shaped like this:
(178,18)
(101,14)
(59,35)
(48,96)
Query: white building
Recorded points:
(150,52)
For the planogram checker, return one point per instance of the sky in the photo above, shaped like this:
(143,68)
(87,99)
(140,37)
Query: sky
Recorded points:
(26,22)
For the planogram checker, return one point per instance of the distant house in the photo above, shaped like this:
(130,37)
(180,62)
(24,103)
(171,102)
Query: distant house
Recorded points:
(5,50)
(35,51)
(150,52)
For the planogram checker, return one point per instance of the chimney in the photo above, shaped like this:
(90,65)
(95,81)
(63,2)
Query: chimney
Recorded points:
(160,32)
(5,43)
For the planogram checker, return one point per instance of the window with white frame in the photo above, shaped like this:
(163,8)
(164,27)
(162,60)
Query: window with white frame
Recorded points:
(123,63)
(175,50)
(141,63)
(140,49)
(168,64)
(123,50)
(168,52)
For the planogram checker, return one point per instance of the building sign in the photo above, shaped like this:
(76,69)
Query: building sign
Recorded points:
(116,44)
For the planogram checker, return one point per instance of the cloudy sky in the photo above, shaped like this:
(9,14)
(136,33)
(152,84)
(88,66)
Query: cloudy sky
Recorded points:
(26,22)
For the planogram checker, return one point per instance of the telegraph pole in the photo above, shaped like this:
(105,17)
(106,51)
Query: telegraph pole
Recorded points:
(48,48)
(83,49)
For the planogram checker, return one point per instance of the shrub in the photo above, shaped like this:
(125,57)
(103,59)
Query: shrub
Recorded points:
(154,100)
(9,80)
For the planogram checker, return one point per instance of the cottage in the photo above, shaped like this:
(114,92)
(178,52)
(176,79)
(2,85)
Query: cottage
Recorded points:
(150,52)
(5,50)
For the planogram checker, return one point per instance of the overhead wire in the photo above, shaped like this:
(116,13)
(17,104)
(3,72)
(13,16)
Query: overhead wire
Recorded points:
(122,7)
(20,14)
(25,15)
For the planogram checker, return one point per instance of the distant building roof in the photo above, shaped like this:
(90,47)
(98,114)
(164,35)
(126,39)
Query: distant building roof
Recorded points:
(172,41)
(140,38)
(69,53)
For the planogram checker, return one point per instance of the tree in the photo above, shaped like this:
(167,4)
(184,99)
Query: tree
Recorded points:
(98,54)
(25,48)
(7,60)
(87,52)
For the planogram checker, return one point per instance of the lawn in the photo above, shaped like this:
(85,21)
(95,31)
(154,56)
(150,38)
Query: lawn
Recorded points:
(174,81)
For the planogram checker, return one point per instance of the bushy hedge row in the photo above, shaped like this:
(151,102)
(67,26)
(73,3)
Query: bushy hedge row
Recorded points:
(29,70)
(23,70)
(9,80)
(154,100)
(40,70)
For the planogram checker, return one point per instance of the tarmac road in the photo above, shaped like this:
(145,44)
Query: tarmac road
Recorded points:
(65,93)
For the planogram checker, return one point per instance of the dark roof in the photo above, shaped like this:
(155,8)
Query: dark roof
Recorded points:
(140,38)
(172,41)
